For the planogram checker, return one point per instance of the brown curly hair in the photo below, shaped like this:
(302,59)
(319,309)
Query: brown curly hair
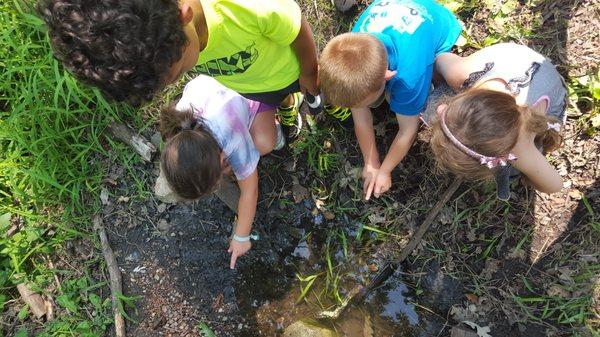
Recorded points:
(191,158)
(489,123)
(123,47)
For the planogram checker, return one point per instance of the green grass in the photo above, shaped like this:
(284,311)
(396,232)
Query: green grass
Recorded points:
(51,165)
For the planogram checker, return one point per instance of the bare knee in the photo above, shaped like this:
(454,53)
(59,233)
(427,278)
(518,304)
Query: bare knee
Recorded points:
(264,143)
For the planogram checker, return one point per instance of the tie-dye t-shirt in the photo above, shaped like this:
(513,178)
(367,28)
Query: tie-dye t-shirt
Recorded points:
(413,32)
(229,116)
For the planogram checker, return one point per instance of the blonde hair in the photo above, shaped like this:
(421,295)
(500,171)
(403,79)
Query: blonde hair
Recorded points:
(488,122)
(351,67)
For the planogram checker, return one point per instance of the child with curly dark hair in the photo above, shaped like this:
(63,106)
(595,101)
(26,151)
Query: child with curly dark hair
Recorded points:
(210,132)
(263,49)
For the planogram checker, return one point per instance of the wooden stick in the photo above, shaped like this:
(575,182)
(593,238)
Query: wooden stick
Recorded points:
(359,292)
(138,143)
(33,300)
(114,274)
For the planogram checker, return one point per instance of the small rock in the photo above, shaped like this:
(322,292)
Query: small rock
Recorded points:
(155,139)
(161,208)
(303,329)
(104,196)
(299,193)
(123,199)
(344,5)
(575,194)
(163,225)
(163,192)
(133,257)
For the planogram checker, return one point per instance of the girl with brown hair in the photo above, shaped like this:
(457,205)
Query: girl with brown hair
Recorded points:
(509,114)
(210,132)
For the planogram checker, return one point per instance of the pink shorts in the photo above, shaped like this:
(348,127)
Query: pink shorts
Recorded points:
(259,107)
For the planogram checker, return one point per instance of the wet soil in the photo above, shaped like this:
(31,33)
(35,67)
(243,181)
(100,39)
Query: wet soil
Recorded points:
(478,257)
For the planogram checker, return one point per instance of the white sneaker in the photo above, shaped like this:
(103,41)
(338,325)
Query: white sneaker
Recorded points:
(280,142)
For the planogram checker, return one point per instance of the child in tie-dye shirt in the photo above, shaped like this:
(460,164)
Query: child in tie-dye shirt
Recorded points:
(211,131)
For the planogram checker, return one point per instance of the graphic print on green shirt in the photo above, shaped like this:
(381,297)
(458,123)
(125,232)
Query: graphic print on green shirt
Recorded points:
(235,64)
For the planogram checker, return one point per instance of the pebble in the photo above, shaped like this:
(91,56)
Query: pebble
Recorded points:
(163,225)
(133,257)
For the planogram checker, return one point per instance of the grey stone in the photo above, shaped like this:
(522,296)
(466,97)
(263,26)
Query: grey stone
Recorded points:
(163,192)
(163,225)
(304,329)
(156,139)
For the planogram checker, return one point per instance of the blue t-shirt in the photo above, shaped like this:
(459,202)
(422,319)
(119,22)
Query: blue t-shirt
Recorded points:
(414,32)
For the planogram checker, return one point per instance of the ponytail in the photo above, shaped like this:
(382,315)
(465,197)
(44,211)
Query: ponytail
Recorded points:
(191,159)
(173,121)
(548,138)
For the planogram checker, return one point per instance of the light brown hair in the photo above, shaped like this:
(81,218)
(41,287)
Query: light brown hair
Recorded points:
(488,122)
(191,158)
(351,67)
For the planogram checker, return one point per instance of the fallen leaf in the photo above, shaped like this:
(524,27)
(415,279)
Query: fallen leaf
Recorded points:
(556,290)
(375,218)
(380,129)
(481,331)
(473,298)
(299,193)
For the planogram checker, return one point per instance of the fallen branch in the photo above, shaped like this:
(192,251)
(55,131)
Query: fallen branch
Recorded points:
(33,300)
(114,274)
(359,292)
(138,143)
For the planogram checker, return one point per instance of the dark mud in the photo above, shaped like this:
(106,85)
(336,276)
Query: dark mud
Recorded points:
(174,258)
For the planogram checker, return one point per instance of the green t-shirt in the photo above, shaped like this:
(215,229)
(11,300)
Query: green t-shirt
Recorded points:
(249,44)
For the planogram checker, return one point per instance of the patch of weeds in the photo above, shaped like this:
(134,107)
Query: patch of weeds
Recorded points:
(571,298)
(51,165)
(317,144)
(584,93)
(564,304)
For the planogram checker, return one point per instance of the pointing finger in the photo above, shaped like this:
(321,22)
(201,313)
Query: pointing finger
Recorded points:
(233,260)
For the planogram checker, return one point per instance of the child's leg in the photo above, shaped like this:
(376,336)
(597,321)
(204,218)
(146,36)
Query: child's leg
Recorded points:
(264,131)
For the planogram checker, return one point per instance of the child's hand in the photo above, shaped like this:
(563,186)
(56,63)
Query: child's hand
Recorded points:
(383,182)
(369,175)
(308,82)
(237,249)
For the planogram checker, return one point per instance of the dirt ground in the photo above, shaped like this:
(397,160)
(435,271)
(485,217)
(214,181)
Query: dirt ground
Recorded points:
(514,268)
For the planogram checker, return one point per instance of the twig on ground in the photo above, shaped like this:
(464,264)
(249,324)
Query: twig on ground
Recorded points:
(360,292)
(114,274)
(142,146)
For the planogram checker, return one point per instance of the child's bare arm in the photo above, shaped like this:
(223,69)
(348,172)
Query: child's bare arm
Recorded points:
(407,130)
(246,212)
(306,51)
(452,69)
(365,134)
(536,168)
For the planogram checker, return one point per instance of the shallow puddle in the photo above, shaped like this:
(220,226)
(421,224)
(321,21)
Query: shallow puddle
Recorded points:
(329,266)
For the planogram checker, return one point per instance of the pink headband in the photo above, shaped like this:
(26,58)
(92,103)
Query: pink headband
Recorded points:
(490,162)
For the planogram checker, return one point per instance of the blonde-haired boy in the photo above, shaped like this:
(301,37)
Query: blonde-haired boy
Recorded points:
(388,55)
